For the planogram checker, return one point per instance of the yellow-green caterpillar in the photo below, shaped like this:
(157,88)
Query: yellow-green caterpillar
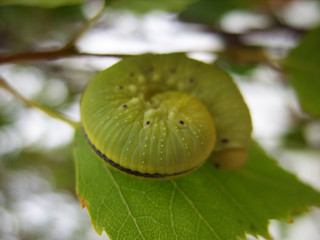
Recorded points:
(159,116)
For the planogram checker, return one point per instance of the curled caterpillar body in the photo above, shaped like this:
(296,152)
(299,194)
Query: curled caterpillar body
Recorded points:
(161,116)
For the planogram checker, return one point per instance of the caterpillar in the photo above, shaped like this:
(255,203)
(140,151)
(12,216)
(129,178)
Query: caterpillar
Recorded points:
(164,115)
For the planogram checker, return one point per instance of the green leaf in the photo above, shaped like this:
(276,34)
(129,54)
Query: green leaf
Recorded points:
(210,11)
(141,6)
(23,33)
(303,68)
(41,3)
(236,67)
(205,204)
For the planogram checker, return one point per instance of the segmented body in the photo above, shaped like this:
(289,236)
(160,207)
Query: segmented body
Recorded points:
(163,115)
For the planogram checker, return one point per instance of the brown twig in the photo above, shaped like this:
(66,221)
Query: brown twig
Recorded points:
(52,55)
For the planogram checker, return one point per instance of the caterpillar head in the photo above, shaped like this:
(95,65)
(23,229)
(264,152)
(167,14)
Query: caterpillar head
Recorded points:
(159,116)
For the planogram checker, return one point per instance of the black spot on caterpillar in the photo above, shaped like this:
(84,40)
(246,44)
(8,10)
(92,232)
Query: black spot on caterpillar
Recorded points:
(129,171)
(143,117)
(224,140)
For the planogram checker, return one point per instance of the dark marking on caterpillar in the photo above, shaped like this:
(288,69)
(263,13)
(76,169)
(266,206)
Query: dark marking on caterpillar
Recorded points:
(181,122)
(224,140)
(148,122)
(121,87)
(191,80)
(125,106)
(217,165)
(129,171)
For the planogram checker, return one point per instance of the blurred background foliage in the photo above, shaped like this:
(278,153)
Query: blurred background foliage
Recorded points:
(253,40)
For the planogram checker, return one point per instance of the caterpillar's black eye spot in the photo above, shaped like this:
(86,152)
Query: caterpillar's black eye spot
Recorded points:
(217,165)
(121,87)
(173,70)
(224,140)
(148,122)
(181,122)
(131,74)
(191,80)
(125,106)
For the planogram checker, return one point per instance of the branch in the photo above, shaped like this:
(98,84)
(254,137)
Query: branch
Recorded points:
(83,30)
(52,55)
(68,50)
(49,111)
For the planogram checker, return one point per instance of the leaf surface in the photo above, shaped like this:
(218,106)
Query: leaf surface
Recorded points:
(142,6)
(206,204)
(303,67)
(210,12)
(41,3)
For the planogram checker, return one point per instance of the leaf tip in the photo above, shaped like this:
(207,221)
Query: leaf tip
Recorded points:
(83,202)
(290,220)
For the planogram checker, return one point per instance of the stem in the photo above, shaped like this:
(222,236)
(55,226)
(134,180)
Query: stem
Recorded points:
(49,111)
(83,30)
(52,55)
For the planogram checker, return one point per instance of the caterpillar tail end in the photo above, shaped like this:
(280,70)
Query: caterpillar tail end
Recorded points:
(230,159)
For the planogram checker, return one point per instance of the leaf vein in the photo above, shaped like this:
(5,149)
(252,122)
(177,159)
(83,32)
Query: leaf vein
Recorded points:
(134,219)
(195,208)
(171,213)
(232,198)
